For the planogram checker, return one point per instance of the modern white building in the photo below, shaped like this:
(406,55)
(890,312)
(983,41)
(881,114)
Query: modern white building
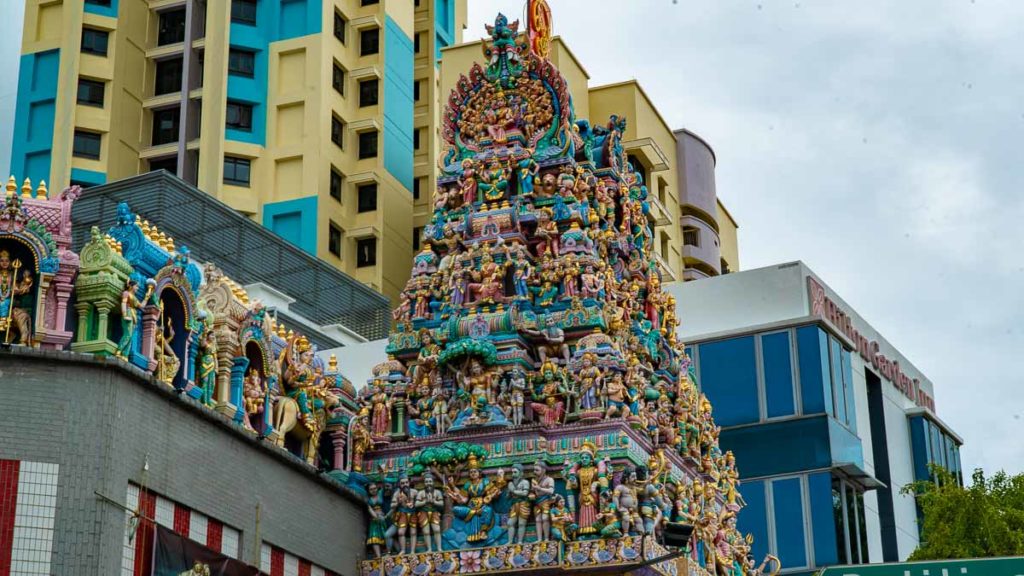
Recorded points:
(827,419)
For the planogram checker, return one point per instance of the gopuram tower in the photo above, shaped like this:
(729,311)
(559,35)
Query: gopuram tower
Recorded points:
(536,411)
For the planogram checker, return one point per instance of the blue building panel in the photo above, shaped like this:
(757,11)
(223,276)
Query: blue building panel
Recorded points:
(444,27)
(32,145)
(109,11)
(276,20)
(787,503)
(86,178)
(823,524)
(728,376)
(398,103)
(753,518)
(813,365)
(294,220)
(851,401)
(846,447)
(756,447)
(778,374)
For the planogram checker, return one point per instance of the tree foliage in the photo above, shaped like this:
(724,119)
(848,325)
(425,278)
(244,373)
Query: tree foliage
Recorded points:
(985,519)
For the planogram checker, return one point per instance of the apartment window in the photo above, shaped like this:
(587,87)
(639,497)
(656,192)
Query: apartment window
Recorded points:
(337,132)
(368,2)
(98,2)
(171,28)
(339,27)
(168,76)
(239,116)
(851,530)
(242,62)
(165,125)
(168,163)
(237,171)
(367,144)
(334,240)
(95,41)
(416,188)
(368,92)
(369,42)
(367,197)
(416,233)
(366,252)
(336,182)
(416,90)
(90,92)
(416,138)
(87,144)
(662,191)
(338,79)
(691,236)
(243,11)
(416,42)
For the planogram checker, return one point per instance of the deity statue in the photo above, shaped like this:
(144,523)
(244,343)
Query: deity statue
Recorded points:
(607,524)
(477,385)
(494,181)
(375,537)
(207,379)
(591,381)
(361,438)
(11,285)
(563,526)
(380,406)
(546,232)
(519,513)
(593,283)
(587,478)
(403,515)
(429,505)
(167,362)
(517,397)
(468,183)
(550,394)
(542,494)
(421,413)
(254,393)
(527,170)
(473,501)
(553,346)
(130,308)
(627,502)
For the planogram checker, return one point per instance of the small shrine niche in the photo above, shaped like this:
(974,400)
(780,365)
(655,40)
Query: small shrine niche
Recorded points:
(19,290)
(172,337)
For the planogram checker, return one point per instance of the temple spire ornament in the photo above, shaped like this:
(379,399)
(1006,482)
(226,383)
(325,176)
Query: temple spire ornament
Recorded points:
(535,396)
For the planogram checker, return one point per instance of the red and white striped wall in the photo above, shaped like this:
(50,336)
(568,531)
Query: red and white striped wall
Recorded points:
(277,562)
(196,526)
(28,506)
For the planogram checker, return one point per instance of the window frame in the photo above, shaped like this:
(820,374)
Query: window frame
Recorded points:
(371,259)
(244,18)
(242,107)
(334,238)
(338,129)
(366,154)
(340,27)
(179,37)
(87,136)
(336,192)
(90,48)
(338,75)
(159,75)
(367,97)
(243,72)
(92,84)
(416,90)
(372,203)
(156,116)
(237,161)
(364,50)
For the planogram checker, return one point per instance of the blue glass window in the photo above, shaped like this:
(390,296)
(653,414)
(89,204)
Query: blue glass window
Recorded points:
(728,376)
(778,374)
(787,503)
(754,518)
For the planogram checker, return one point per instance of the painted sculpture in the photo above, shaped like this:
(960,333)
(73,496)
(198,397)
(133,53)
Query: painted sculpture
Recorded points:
(534,372)
(37,265)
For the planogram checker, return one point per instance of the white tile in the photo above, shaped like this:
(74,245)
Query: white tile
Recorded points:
(164,512)
(291,565)
(197,528)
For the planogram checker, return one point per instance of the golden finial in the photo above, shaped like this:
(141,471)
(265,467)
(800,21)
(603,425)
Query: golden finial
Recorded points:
(138,220)
(332,363)
(41,190)
(12,185)
(26,189)
(120,247)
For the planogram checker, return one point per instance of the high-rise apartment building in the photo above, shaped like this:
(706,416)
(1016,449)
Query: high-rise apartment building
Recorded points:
(314,117)
(695,236)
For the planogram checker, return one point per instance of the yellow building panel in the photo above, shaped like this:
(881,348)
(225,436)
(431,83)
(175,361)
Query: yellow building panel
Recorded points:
(727,232)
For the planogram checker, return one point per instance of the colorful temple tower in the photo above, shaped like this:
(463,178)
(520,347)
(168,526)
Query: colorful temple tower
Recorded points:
(536,411)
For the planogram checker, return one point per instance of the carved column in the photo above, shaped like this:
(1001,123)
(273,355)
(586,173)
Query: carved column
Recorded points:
(150,315)
(238,367)
(82,334)
(339,438)
(102,319)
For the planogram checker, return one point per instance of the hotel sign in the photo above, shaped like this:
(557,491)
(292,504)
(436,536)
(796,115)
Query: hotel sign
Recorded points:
(870,350)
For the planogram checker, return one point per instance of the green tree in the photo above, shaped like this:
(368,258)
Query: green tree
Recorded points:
(985,519)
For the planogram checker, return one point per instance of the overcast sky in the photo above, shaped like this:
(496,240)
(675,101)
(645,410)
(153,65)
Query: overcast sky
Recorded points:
(879,141)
